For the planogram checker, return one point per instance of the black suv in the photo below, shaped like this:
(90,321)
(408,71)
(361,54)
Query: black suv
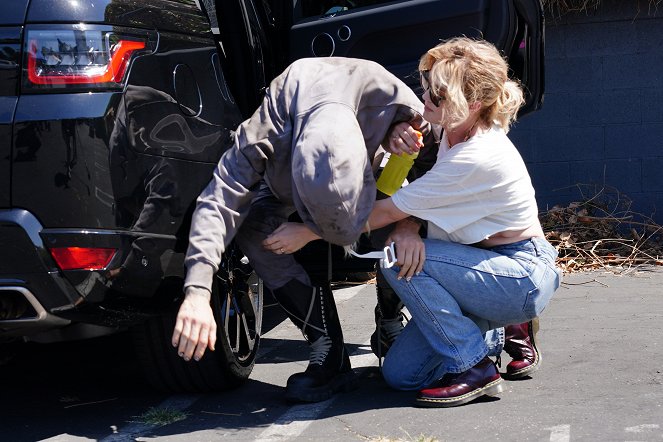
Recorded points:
(113,114)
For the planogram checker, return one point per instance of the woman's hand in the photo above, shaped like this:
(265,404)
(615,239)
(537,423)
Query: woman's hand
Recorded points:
(410,249)
(195,327)
(402,138)
(288,238)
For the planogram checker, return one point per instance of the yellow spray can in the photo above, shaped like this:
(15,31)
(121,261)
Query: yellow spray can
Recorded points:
(393,175)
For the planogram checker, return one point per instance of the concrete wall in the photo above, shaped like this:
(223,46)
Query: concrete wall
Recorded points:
(602,119)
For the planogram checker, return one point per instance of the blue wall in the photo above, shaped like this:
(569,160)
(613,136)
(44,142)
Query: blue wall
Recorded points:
(602,118)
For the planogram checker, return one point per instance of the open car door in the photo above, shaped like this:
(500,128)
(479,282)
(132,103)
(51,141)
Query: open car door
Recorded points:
(396,33)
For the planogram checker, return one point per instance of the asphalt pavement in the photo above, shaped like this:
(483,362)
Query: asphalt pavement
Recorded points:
(601,379)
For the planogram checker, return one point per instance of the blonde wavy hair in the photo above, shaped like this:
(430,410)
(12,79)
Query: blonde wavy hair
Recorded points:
(465,71)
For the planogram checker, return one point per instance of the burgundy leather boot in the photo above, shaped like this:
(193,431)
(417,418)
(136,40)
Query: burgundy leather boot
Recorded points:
(520,344)
(460,388)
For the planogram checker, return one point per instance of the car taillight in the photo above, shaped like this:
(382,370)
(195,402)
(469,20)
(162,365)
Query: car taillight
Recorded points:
(65,58)
(82,258)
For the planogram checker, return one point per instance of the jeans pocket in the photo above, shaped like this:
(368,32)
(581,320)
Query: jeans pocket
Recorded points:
(544,250)
(527,262)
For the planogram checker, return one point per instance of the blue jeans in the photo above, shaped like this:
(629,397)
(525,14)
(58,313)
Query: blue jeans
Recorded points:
(463,292)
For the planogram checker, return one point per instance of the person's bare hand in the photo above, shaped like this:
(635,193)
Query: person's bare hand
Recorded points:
(402,138)
(288,238)
(195,327)
(410,248)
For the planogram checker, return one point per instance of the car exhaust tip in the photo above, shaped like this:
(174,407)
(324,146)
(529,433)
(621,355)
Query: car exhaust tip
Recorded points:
(14,305)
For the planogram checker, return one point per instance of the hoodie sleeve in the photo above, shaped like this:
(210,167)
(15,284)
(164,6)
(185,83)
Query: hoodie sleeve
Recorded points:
(220,209)
(225,202)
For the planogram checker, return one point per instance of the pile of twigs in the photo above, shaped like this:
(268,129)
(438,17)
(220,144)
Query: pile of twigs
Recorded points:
(601,232)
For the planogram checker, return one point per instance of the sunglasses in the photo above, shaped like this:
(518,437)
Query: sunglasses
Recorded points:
(425,84)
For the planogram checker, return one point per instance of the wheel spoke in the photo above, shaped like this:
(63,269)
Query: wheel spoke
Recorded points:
(238,314)
(247,333)
(226,318)
(241,314)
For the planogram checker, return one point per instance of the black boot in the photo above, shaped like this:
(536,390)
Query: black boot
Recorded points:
(388,320)
(313,310)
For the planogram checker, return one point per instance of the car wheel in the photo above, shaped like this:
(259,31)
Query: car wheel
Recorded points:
(237,302)
(9,348)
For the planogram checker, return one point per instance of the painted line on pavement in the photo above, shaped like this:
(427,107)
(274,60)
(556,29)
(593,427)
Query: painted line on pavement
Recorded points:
(297,419)
(560,433)
(292,423)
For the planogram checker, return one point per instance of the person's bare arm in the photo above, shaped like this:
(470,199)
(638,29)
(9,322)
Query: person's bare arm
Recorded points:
(195,327)
(384,213)
(289,237)
(410,248)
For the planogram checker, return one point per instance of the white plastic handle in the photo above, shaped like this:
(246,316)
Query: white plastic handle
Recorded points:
(387,256)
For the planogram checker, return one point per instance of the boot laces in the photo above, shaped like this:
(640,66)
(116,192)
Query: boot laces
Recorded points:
(320,350)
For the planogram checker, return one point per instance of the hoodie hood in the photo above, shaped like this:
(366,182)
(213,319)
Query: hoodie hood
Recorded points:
(315,136)
(332,175)
(341,109)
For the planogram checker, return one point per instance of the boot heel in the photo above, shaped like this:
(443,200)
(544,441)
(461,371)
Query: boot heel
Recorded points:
(535,327)
(494,390)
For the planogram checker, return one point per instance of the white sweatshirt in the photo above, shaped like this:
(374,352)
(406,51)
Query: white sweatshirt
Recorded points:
(475,189)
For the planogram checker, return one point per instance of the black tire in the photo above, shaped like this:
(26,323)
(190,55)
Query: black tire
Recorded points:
(9,349)
(237,302)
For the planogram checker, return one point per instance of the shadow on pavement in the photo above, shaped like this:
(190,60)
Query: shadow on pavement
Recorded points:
(77,388)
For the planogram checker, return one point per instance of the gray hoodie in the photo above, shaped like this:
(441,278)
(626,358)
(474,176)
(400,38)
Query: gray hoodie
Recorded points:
(312,140)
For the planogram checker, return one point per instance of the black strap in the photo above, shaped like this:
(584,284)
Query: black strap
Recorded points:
(329,263)
(209,8)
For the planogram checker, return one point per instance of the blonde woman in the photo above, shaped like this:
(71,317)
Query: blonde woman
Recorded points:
(485,263)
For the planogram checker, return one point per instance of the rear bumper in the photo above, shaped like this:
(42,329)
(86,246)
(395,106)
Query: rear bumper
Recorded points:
(30,285)
(35,296)
(23,315)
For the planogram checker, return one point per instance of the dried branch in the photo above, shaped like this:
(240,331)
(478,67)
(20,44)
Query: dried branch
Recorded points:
(601,231)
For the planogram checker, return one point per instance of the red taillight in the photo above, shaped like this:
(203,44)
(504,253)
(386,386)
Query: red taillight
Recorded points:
(95,58)
(82,258)
(112,72)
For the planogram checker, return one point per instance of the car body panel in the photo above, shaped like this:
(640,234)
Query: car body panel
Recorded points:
(10,50)
(247,55)
(7,106)
(13,12)
(528,60)
(369,32)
